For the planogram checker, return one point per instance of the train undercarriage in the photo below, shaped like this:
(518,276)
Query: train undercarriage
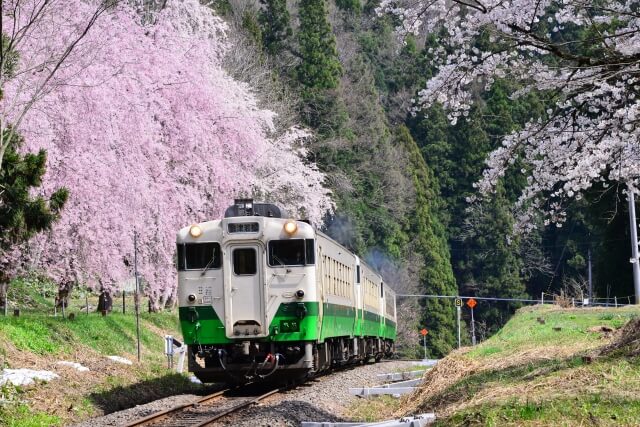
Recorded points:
(251,361)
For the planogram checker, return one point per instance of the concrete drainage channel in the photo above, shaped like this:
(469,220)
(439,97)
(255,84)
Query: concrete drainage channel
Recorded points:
(398,383)
(401,382)
(416,421)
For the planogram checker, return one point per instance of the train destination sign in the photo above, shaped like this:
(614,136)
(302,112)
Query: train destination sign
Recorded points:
(472,303)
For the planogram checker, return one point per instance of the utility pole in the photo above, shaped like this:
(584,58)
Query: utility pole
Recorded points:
(137,298)
(634,244)
(589,273)
(458,309)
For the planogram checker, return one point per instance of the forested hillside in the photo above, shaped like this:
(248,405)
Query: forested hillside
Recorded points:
(402,177)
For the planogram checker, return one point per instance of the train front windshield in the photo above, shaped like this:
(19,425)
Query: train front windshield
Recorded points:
(197,256)
(293,252)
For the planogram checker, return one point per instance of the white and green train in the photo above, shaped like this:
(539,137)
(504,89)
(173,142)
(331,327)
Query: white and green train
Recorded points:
(263,295)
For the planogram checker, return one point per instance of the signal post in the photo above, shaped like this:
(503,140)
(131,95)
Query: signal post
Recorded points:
(472,303)
(424,333)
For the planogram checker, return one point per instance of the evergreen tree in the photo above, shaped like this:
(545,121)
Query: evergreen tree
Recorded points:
(320,67)
(349,5)
(251,24)
(274,21)
(21,214)
(490,264)
(436,276)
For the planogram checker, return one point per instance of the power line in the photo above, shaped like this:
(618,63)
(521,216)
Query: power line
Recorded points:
(466,297)
(535,301)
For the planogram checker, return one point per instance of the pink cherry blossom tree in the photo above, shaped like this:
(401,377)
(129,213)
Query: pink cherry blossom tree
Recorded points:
(150,134)
(50,33)
(585,54)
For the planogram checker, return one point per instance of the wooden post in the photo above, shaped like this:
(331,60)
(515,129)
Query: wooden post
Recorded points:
(86,302)
(6,300)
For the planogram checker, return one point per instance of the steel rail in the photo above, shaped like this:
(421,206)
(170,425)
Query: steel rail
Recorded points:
(237,408)
(162,414)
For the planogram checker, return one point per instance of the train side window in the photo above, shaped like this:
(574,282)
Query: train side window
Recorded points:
(244,262)
(180,255)
(196,256)
(311,251)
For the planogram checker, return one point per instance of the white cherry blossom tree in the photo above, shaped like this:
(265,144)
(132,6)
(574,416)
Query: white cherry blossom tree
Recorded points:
(585,55)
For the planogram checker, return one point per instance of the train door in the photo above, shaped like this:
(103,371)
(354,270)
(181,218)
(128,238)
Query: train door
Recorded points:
(320,279)
(245,291)
(359,300)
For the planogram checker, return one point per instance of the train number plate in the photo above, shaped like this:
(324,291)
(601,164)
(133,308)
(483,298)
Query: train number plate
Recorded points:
(289,326)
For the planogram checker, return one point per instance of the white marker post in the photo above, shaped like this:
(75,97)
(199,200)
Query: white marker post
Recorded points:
(458,310)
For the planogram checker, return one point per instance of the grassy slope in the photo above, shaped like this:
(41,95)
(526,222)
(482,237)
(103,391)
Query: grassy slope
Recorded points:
(37,340)
(533,375)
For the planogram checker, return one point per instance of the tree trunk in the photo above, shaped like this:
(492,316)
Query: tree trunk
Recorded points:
(4,288)
(64,292)
(105,302)
(170,303)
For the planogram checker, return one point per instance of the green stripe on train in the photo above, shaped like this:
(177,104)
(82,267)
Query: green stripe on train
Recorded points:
(296,321)
(201,325)
(292,322)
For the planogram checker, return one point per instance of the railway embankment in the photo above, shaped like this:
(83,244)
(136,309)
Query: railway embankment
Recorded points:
(88,365)
(546,366)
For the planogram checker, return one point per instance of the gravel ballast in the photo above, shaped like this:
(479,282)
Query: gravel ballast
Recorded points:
(325,398)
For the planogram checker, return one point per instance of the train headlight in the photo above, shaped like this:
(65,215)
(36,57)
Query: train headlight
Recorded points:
(290,227)
(299,293)
(195,231)
(191,298)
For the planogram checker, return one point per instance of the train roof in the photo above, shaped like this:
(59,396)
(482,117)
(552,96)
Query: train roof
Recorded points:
(362,262)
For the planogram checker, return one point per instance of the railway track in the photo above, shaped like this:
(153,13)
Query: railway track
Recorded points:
(203,412)
(208,409)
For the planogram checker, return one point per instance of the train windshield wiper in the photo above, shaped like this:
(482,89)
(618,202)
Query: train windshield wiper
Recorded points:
(277,259)
(213,257)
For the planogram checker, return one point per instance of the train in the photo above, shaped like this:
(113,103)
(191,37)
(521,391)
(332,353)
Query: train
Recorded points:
(262,295)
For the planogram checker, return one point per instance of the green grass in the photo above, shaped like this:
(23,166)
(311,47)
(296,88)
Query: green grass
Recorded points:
(567,391)
(591,409)
(22,416)
(542,368)
(112,334)
(369,410)
(54,338)
(524,332)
